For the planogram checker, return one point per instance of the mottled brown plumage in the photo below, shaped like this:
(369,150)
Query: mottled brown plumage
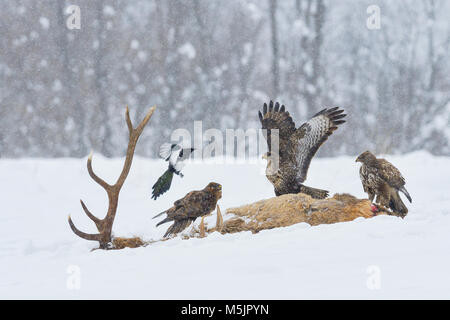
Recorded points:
(381,179)
(288,163)
(195,204)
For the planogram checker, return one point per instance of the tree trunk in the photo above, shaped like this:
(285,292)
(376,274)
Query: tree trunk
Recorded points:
(275,49)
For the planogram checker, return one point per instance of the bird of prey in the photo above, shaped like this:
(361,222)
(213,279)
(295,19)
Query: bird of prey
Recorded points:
(195,204)
(175,155)
(380,178)
(287,167)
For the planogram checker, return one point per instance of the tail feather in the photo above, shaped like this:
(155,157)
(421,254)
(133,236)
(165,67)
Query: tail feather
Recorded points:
(178,226)
(397,205)
(315,193)
(164,221)
(159,214)
(406,193)
(163,184)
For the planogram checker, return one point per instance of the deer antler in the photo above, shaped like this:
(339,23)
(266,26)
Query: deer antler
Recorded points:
(104,226)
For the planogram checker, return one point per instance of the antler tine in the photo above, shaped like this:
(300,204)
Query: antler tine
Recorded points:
(144,122)
(128,120)
(96,220)
(96,178)
(138,130)
(81,234)
(134,136)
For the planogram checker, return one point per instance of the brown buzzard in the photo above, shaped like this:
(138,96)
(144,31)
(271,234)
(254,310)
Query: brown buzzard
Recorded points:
(380,178)
(296,147)
(195,204)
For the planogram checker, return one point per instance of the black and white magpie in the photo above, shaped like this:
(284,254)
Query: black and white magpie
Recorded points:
(175,155)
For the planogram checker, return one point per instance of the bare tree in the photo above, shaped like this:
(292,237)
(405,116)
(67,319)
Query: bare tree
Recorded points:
(71,90)
(101,79)
(217,61)
(275,49)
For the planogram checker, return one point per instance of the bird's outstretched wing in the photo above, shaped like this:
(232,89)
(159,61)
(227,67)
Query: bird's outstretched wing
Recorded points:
(311,135)
(276,117)
(166,150)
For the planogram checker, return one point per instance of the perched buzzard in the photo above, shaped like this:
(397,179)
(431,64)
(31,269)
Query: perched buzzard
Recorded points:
(380,178)
(195,204)
(296,147)
(175,155)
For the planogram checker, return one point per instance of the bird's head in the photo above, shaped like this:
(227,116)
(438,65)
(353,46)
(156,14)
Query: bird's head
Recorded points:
(185,153)
(215,188)
(365,157)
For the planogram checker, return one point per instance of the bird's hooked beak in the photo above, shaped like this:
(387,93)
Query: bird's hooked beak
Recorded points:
(265,156)
(358,159)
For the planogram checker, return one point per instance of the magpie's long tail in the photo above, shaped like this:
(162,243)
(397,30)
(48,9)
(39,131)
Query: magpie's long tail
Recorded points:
(163,184)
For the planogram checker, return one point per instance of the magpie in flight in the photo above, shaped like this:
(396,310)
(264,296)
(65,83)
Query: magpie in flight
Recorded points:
(175,155)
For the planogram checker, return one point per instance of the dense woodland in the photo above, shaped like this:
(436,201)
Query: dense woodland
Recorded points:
(63,92)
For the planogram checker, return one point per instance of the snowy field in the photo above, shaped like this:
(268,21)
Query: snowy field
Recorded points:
(383,257)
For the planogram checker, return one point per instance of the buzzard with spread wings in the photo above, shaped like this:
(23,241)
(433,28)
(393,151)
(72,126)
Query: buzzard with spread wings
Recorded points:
(288,160)
(380,178)
(195,204)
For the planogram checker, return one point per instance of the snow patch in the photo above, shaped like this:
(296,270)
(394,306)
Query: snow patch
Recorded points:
(45,23)
(328,261)
(188,50)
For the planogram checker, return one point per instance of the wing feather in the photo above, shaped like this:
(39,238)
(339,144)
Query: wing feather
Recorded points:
(275,117)
(389,173)
(167,149)
(312,134)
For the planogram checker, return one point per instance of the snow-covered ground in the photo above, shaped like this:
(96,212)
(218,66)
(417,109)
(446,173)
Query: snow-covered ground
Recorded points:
(383,257)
